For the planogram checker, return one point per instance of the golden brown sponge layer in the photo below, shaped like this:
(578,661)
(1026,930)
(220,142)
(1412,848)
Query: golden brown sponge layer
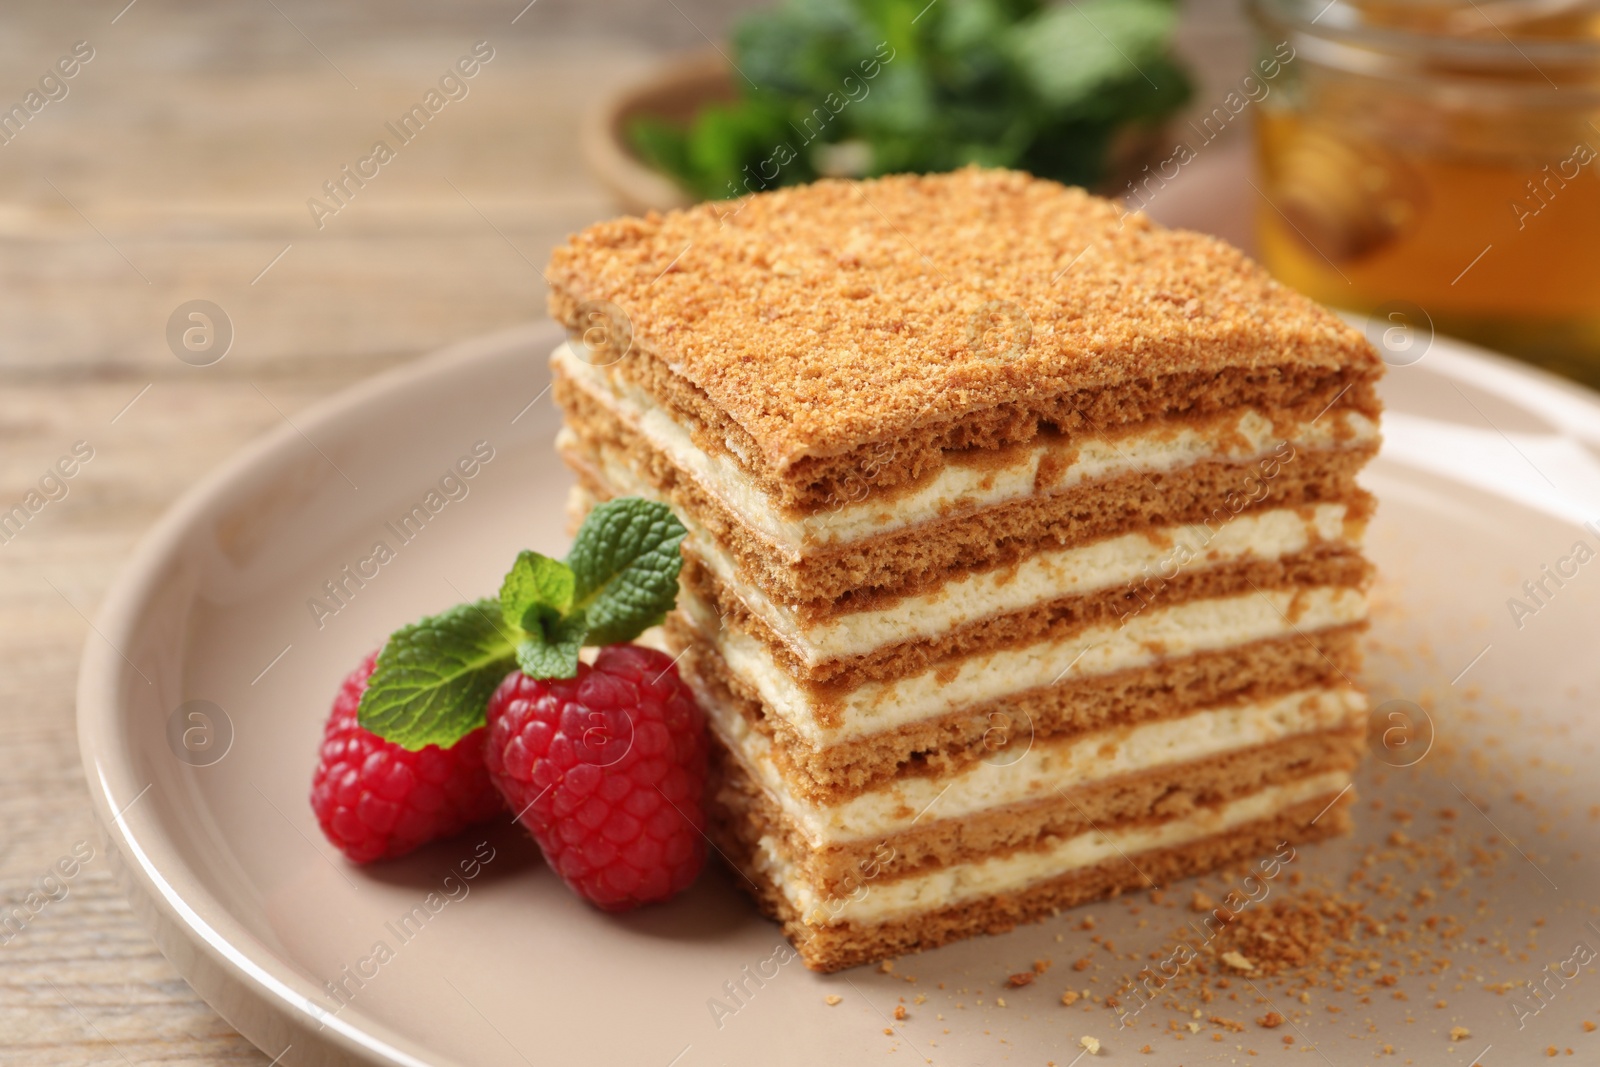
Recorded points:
(1053,620)
(837,946)
(1167,792)
(975,305)
(874,572)
(949,743)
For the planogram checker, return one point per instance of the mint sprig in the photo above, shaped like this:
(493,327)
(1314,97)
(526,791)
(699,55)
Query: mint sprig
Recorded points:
(433,678)
(536,602)
(625,561)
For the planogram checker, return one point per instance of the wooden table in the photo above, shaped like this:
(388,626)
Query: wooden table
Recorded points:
(178,167)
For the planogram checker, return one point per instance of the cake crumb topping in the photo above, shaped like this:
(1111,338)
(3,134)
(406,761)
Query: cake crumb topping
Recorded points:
(824,316)
(1237,961)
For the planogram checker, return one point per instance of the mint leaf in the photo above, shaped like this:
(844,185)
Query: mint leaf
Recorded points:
(550,650)
(626,561)
(537,587)
(434,678)
(534,599)
(1067,52)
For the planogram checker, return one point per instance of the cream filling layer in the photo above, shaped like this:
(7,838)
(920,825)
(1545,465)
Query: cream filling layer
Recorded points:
(1022,769)
(880,902)
(1136,641)
(1148,559)
(957,488)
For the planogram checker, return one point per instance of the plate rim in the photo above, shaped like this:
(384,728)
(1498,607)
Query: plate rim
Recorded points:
(245,992)
(262,998)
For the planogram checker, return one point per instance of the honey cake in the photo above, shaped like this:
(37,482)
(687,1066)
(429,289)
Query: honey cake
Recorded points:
(1024,558)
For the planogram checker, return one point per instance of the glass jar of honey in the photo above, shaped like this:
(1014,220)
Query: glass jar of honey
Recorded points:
(1439,160)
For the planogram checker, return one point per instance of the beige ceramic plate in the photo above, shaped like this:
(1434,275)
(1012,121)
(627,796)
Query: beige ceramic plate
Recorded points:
(1487,474)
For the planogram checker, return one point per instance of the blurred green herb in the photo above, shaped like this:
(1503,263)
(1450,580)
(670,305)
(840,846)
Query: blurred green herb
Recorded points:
(865,87)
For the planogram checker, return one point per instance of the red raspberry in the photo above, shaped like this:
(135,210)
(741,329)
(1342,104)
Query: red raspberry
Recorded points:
(607,770)
(376,800)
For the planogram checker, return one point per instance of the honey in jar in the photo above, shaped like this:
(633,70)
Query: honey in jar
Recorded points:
(1443,158)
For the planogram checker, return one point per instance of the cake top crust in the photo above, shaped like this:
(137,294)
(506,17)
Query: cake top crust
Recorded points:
(842,313)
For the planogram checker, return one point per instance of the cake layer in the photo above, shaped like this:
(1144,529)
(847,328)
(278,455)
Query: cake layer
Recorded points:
(821,581)
(1017,869)
(1047,618)
(1031,769)
(881,465)
(967,481)
(807,323)
(1143,563)
(827,717)
(837,941)
(1023,551)
(1125,801)
(948,744)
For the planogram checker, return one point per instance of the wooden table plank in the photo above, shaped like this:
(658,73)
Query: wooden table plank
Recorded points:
(83,983)
(178,167)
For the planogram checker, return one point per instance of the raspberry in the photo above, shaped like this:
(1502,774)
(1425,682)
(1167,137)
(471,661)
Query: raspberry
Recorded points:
(607,771)
(376,800)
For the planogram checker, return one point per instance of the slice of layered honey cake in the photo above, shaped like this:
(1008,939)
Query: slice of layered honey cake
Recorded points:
(1024,555)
